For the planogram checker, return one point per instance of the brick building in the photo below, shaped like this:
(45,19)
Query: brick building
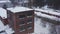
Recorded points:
(21,19)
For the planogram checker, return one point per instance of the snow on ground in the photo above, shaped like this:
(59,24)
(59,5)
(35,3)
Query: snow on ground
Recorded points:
(43,27)
(5,29)
(1,26)
(50,28)
(58,29)
(38,28)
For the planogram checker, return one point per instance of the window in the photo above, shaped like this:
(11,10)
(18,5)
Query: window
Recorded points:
(29,15)
(29,21)
(29,27)
(22,29)
(21,16)
(22,23)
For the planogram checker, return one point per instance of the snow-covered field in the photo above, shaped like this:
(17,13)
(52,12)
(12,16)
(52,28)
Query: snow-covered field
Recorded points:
(5,29)
(43,27)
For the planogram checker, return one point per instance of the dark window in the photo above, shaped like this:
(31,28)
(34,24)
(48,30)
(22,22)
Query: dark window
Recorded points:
(29,14)
(13,33)
(22,23)
(29,21)
(22,29)
(21,16)
(29,27)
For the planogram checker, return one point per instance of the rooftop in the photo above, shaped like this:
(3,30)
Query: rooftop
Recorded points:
(50,11)
(19,9)
(3,13)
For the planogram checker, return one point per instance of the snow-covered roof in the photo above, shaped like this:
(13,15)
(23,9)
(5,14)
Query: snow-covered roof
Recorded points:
(18,9)
(50,11)
(47,16)
(3,13)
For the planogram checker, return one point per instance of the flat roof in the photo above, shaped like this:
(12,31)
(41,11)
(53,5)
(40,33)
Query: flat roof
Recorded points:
(18,9)
(3,13)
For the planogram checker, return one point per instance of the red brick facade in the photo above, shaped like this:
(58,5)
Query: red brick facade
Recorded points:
(21,22)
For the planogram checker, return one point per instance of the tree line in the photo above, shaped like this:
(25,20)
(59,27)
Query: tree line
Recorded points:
(52,3)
